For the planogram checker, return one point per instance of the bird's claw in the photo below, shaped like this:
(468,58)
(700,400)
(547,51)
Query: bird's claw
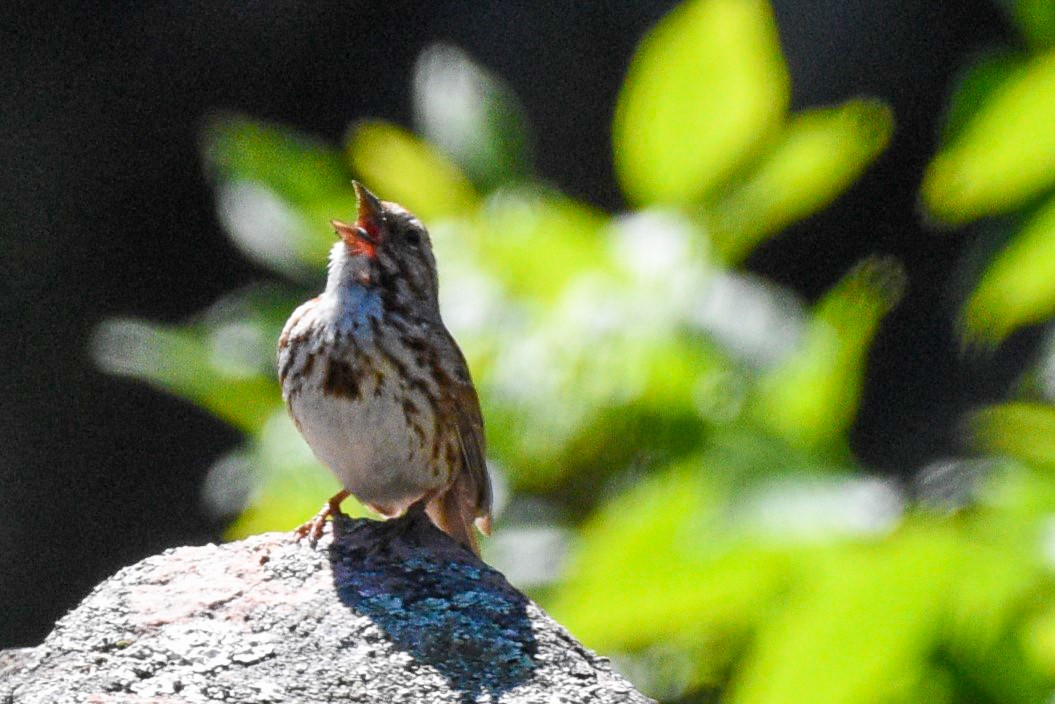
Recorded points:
(314,528)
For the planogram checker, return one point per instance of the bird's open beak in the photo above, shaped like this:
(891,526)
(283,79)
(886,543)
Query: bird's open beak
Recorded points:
(371,216)
(364,236)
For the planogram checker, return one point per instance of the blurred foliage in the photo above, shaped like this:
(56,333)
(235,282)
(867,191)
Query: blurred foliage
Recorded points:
(706,90)
(668,433)
(997,162)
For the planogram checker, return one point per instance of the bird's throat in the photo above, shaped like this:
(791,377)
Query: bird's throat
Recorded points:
(357,310)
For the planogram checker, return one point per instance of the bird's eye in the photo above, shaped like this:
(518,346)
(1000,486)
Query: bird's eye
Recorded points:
(413,237)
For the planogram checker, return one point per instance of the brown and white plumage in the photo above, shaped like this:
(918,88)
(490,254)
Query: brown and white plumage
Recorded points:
(377,385)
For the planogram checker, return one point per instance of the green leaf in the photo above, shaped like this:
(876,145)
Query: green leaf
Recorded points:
(223,360)
(818,156)
(1039,640)
(1024,431)
(186,363)
(1035,19)
(535,241)
(812,398)
(1019,286)
(594,404)
(1000,582)
(1021,485)
(601,373)
(471,116)
(859,628)
(402,168)
(705,90)
(652,567)
(1005,154)
(277,191)
(975,87)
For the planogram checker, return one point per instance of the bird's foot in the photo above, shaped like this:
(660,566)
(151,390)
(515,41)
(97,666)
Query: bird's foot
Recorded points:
(313,529)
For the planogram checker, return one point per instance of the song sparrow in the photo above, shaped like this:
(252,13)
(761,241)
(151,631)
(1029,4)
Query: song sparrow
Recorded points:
(378,387)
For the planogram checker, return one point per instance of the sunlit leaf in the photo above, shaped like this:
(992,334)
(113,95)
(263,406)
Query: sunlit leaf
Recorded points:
(976,86)
(1000,581)
(706,89)
(1022,490)
(535,242)
(1039,640)
(472,116)
(277,190)
(186,363)
(1019,286)
(651,567)
(1025,431)
(603,374)
(1004,155)
(818,156)
(593,407)
(812,398)
(400,167)
(860,627)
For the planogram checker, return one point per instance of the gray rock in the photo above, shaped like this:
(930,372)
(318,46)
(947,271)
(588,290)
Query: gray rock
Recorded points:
(383,612)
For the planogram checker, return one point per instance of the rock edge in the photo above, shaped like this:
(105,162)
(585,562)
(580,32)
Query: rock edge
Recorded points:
(376,612)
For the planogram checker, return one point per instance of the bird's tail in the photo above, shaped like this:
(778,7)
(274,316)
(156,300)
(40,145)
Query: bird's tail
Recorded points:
(454,512)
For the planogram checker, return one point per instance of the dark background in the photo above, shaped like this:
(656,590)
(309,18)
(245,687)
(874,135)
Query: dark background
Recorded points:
(104,211)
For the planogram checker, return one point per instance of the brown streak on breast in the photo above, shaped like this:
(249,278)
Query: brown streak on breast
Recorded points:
(283,339)
(416,344)
(419,384)
(439,373)
(419,431)
(396,321)
(340,380)
(420,350)
(410,411)
(400,367)
(437,435)
(283,371)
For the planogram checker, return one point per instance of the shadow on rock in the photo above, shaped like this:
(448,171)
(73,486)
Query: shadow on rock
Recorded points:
(436,601)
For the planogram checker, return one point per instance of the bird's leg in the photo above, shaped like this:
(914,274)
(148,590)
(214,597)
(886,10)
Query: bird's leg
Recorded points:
(313,528)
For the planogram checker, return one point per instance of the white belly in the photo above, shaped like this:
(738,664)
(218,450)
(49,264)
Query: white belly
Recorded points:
(370,445)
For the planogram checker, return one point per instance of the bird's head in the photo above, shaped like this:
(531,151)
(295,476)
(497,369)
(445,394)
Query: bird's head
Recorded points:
(387,248)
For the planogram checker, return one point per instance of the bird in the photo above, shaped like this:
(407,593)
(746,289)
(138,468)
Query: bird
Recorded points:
(379,388)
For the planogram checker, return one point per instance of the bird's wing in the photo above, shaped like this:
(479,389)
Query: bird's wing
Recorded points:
(468,498)
(470,427)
